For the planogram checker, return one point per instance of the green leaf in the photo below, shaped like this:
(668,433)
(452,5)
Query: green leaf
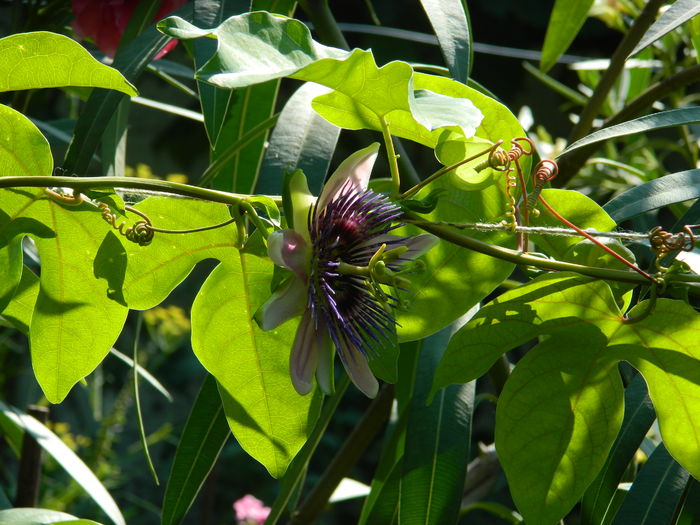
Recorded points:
(19,311)
(516,317)
(639,415)
(36,516)
(79,310)
(663,347)
(565,22)
(656,493)
(65,457)
(23,149)
(202,439)
(669,189)
(679,12)
(257,47)
(450,22)
(556,420)
(577,208)
(266,415)
(153,271)
(301,140)
(437,444)
(663,119)
(45,60)
(11,262)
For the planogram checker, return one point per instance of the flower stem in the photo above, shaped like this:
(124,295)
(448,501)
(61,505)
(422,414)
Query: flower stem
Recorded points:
(391,153)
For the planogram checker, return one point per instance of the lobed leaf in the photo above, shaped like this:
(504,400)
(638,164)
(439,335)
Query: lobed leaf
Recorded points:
(45,60)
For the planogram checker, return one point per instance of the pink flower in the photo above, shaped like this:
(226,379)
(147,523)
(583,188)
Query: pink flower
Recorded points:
(104,21)
(250,510)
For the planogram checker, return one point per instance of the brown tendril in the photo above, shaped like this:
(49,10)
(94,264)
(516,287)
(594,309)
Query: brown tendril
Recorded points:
(140,233)
(545,171)
(663,242)
(69,199)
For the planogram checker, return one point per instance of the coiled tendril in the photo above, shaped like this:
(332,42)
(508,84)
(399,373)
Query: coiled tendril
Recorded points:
(140,233)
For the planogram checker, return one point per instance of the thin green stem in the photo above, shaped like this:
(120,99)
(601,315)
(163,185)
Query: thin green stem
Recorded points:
(442,171)
(148,186)
(391,153)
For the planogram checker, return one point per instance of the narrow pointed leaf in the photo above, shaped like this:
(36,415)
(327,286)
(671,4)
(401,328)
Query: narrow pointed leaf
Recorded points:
(266,415)
(565,22)
(437,444)
(556,420)
(301,140)
(656,493)
(639,415)
(450,22)
(663,119)
(669,189)
(202,439)
(678,13)
(68,460)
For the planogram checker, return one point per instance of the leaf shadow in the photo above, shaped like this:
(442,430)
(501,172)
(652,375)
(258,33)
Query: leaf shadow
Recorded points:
(110,264)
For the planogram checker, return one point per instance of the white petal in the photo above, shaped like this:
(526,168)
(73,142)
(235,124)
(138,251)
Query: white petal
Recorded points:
(287,302)
(352,174)
(304,355)
(288,249)
(357,368)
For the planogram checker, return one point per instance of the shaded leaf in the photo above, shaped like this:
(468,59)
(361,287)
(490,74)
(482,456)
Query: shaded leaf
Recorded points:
(656,493)
(450,22)
(21,307)
(44,60)
(679,12)
(663,119)
(669,189)
(202,439)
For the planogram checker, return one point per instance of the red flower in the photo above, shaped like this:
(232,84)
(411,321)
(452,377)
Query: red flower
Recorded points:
(104,21)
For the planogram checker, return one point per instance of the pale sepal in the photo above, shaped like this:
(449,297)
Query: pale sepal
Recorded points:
(287,301)
(304,356)
(352,175)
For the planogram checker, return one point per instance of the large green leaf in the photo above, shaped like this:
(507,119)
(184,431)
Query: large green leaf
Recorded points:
(45,60)
(268,418)
(79,312)
(669,189)
(656,493)
(664,348)
(153,271)
(19,311)
(65,457)
(565,21)
(438,436)
(301,140)
(663,119)
(679,12)
(516,317)
(202,439)
(257,47)
(639,415)
(450,22)
(556,420)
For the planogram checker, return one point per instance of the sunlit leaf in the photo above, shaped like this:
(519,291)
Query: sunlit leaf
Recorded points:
(43,60)
(266,415)
(68,460)
(565,22)
(19,310)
